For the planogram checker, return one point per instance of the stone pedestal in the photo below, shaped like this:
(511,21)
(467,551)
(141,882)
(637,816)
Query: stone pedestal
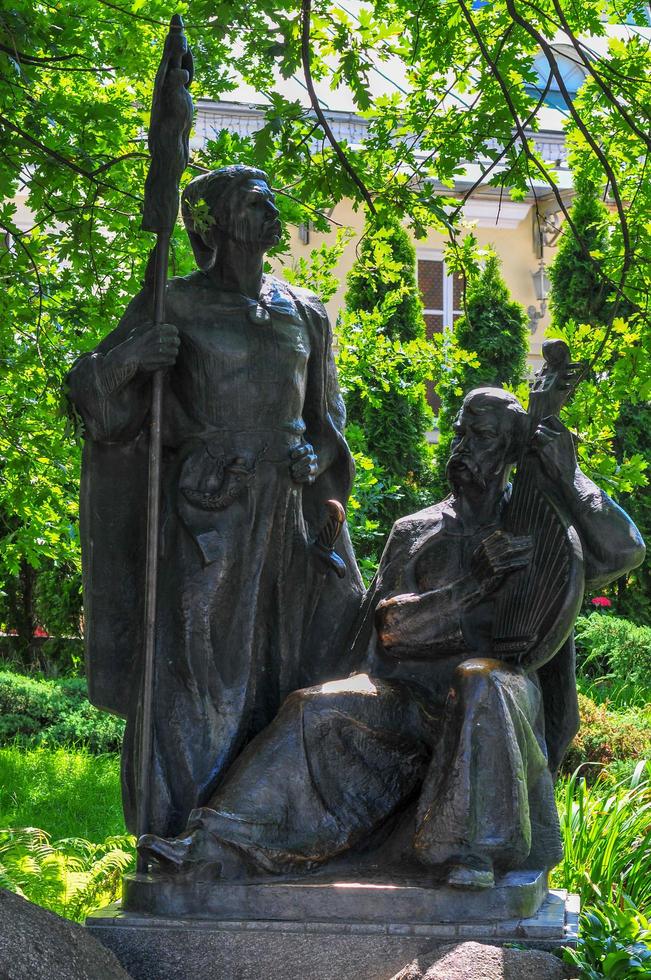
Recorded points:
(374,898)
(320,931)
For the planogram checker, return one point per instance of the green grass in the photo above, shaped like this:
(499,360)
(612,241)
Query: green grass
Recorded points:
(65,792)
(617,694)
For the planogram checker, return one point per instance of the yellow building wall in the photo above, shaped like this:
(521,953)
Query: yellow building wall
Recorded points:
(515,247)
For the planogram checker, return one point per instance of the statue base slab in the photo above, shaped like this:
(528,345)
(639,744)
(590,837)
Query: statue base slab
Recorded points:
(154,947)
(336,897)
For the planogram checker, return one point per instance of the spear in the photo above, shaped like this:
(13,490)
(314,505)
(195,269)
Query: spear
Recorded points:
(168,141)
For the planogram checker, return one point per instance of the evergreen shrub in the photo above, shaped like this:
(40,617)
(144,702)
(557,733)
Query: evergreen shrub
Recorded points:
(607,737)
(579,291)
(36,711)
(611,404)
(616,648)
(384,361)
(633,436)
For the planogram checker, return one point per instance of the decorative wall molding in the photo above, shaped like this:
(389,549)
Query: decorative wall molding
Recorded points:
(237,117)
(491,212)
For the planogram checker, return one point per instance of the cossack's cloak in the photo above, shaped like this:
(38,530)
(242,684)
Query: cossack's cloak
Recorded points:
(114,500)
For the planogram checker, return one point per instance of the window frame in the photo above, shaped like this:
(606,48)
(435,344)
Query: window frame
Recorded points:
(448,312)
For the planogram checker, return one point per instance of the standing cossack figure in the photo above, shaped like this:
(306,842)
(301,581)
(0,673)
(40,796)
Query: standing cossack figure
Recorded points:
(249,607)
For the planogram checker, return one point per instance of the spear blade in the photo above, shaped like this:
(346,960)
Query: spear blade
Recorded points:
(169,131)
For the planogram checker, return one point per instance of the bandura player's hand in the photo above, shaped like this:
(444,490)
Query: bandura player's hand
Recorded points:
(553,444)
(390,616)
(498,555)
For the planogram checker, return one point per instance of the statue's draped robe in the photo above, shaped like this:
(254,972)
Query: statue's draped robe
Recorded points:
(245,613)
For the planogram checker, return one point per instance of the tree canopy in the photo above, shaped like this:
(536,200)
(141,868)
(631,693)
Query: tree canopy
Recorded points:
(75,84)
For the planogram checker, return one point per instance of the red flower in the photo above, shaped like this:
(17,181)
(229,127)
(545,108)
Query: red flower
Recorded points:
(601,601)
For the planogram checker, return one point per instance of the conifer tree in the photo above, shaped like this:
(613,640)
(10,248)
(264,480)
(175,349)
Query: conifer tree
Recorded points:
(579,296)
(386,266)
(383,364)
(578,289)
(494,328)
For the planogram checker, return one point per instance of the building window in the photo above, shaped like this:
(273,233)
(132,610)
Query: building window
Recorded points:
(442,296)
(571,70)
(441,293)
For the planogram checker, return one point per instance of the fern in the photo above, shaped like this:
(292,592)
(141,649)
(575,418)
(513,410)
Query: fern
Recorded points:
(71,877)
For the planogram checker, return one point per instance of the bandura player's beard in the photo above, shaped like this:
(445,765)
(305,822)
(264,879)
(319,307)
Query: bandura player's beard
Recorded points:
(455,463)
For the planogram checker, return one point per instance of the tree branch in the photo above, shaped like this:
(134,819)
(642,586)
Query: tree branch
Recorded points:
(111,163)
(39,284)
(583,129)
(525,143)
(482,177)
(619,287)
(135,16)
(306,11)
(308,207)
(53,63)
(63,160)
(32,59)
(607,91)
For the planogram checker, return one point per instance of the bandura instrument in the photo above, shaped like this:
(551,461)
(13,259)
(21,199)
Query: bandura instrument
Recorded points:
(537,605)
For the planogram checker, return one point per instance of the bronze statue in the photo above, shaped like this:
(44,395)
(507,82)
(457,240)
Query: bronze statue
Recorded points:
(440,750)
(253,456)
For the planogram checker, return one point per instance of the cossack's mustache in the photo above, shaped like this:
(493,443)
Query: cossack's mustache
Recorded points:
(463,460)
(239,229)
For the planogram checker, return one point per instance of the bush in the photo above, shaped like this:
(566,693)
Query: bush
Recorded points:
(370,494)
(615,431)
(36,711)
(47,596)
(607,736)
(613,942)
(614,649)
(633,436)
(52,656)
(579,290)
(384,361)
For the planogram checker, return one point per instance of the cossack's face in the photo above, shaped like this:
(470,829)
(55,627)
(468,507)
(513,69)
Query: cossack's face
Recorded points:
(253,218)
(479,447)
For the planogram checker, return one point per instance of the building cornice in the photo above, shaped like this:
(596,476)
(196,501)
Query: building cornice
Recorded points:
(246,119)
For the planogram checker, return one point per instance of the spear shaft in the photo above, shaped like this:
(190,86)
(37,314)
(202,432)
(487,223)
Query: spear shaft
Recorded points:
(151,568)
(169,129)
